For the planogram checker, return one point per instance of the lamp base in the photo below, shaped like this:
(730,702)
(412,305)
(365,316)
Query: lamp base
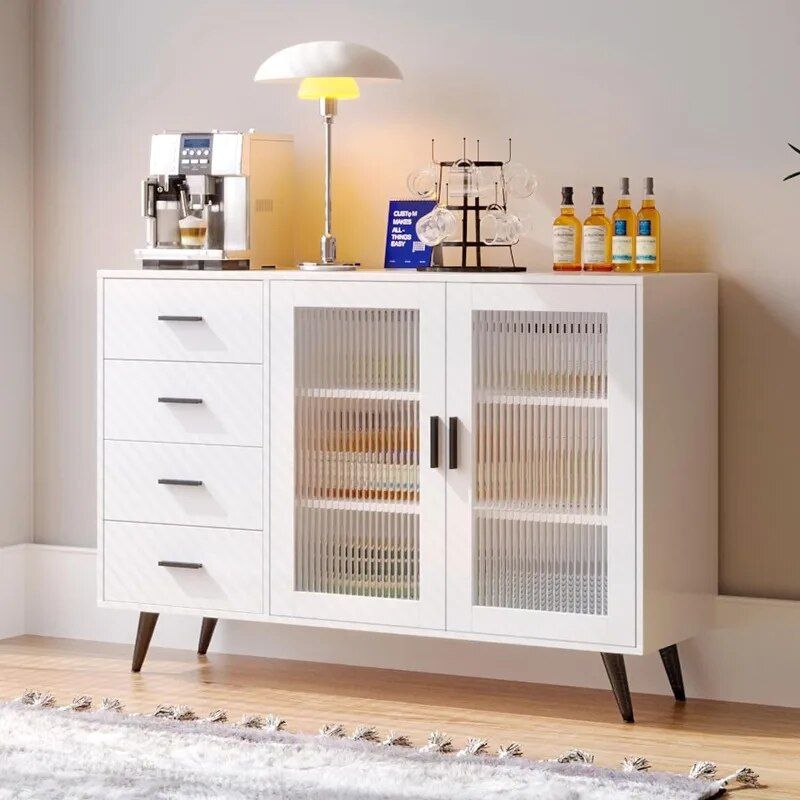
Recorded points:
(320,266)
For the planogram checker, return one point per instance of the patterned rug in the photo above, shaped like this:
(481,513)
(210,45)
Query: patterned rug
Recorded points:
(76,752)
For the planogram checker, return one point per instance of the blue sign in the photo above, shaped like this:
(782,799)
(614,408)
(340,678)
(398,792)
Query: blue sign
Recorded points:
(403,248)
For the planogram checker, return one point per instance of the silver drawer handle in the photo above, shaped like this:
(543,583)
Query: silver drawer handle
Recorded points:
(178,318)
(184,400)
(180,564)
(178,482)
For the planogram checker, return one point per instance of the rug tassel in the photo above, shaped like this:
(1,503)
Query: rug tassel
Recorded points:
(744,775)
(184,714)
(365,733)
(396,740)
(635,764)
(252,721)
(703,769)
(438,742)
(332,729)
(510,750)
(37,699)
(111,704)
(82,702)
(576,756)
(217,715)
(274,723)
(164,711)
(474,747)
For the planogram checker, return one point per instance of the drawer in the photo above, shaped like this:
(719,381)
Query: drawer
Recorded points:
(229,576)
(183,320)
(228,493)
(141,402)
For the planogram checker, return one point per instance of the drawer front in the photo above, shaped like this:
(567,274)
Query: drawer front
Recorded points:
(140,484)
(229,576)
(153,401)
(183,320)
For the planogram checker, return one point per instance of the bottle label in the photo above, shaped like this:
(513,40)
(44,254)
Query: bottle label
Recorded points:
(622,250)
(594,244)
(563,244)
(645,247)
(645,227)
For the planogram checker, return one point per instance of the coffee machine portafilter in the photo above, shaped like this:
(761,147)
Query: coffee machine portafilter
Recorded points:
(218,200)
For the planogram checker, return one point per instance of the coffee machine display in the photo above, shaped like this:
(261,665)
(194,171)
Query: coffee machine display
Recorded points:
(218,200)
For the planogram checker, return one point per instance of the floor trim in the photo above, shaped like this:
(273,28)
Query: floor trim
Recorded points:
(749,656)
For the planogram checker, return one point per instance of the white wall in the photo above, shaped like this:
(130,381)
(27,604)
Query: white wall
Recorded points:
(703,96)
(16,273)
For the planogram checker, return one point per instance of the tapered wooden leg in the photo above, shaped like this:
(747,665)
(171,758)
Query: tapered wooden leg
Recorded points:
(144,633)
(615,667)
(672,664)
(206,632)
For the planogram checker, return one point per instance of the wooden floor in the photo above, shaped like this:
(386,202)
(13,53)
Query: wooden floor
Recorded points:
(546,720)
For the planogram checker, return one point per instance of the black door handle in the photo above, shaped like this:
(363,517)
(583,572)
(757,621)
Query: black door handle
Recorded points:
(186,400)
(179,318)
(434,442)
(453,443)
(178,482)
(180,564)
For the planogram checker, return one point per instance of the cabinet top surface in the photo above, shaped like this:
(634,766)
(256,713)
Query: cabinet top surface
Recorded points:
(407,275)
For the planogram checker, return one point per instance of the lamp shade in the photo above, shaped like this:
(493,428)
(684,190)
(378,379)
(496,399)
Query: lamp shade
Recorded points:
(327,60)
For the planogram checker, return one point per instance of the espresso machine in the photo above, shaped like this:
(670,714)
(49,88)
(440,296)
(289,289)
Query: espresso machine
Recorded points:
(218,200)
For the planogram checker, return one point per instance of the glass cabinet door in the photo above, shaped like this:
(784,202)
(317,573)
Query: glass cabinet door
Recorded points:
(541,394)
(357,521)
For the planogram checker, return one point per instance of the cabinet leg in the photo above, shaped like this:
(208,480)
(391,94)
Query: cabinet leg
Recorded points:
(206,632)
(144,633)
(615,668)
(672,665)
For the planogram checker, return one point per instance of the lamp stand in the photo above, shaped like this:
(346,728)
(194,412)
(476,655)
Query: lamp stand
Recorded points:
(328,107)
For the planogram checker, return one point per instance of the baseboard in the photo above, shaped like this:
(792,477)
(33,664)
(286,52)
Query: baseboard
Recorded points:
(750,656)
(12,590)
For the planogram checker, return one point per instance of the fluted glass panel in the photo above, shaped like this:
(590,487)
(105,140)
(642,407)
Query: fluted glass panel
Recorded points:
(540,460)
(357,451)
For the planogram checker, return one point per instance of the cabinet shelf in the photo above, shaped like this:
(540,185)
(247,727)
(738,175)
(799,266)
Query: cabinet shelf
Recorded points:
(357,394)
(506,511)
(516,398)
(385,506)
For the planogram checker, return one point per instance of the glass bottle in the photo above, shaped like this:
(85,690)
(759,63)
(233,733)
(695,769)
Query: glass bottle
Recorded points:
(567,236)
(648,232)
(597,236)
(623,239)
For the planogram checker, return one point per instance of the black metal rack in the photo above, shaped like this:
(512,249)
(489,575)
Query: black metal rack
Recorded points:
(468,207)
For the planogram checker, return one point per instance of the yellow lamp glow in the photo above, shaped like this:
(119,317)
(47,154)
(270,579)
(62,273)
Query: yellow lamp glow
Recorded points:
(336,88)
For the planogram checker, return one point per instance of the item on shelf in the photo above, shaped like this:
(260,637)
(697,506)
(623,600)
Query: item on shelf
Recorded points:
(648,234)
(423,182)
(468,181)
(403,245)
(436,226)
(623,240)
(327,72)
(204,195)
(567,236)
(597,236)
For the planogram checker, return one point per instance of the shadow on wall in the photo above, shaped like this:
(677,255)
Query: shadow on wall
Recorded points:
(759,387)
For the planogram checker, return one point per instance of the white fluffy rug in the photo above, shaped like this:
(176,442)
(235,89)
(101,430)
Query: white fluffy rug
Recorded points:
(81,755)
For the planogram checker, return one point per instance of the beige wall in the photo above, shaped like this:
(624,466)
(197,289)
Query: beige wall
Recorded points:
(16,274)
(701,95)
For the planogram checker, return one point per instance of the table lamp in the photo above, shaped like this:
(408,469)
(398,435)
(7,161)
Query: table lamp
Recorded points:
(327,72)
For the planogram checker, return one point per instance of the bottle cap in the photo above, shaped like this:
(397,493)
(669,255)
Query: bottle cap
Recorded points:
(624,186)
(648,186)
(566,195)
(597,195)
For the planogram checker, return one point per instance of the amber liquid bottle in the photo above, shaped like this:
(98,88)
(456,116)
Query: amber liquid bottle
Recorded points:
(597,236)
(567,236)
(623,224)
(648,233)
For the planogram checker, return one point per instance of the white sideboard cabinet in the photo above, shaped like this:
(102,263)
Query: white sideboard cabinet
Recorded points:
(522,458)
